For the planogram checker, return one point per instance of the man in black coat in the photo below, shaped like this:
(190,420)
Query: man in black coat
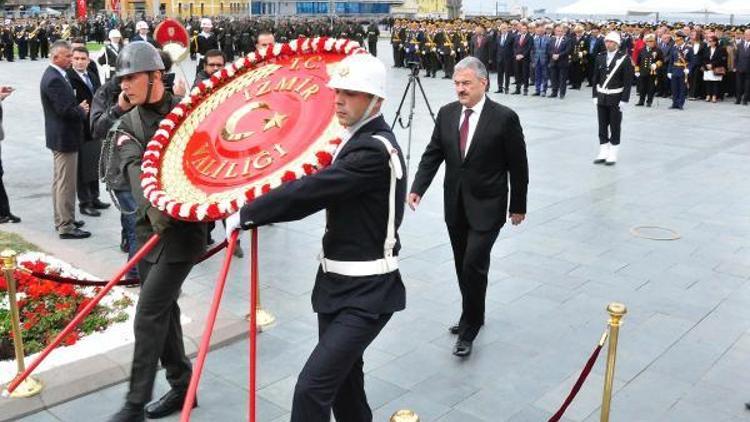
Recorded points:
(558,55)
(742,63)
(481,47)
(613,77)
(522,46)
(504,58)
(85,84)
(63,125)
(205,41)
(358,286)
(487,156)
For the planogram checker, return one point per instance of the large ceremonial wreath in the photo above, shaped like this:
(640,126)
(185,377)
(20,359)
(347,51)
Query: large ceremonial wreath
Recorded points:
(263,120)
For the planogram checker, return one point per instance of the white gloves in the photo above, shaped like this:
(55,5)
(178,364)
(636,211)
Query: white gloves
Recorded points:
(596,101)
(233,223)
(669,75)
(637,74)
(621,106)
(653,66)
(687,71)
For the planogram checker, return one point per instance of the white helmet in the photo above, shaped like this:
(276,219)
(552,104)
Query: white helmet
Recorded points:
(206,23)
(141,25)
(613,36)
(114,33)
(360,73)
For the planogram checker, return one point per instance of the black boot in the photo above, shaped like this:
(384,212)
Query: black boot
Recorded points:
(131,412)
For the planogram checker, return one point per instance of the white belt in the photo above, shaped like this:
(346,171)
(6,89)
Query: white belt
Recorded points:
(360,268)
(607,91)
(389,262)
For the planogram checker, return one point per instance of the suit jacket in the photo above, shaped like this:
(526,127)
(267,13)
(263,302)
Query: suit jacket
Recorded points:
(83,93)
(566,47)
(525,49)
(696,60)
(539,51)
(742,57)
(622,78)
(495,159)
(718,59)
(596,46)
(481,51)
(504,48)
(354,190)
(63,117)
(2,133)
(147,38)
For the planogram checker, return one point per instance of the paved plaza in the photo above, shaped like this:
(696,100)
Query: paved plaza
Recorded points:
(684,347)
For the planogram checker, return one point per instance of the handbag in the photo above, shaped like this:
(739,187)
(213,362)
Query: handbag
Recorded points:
(720,70)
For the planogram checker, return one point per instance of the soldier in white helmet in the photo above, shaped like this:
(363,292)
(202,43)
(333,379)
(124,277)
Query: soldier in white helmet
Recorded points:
(205,41)
(358,286)
(612,79)
(142,34)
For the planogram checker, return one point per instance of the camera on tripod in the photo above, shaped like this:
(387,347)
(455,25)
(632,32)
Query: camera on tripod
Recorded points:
(415,66)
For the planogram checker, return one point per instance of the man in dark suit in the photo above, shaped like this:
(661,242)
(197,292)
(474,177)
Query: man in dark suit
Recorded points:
(481,45)
(85,83)
(504,58)
(482,145)
(742,64)
(558,53)
(596,46)
(63,124)
(613,78)
(522,46)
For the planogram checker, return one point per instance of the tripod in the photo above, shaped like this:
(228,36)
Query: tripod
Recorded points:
(414,81)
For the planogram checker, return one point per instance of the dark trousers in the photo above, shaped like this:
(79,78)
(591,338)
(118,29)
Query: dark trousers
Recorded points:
(4,203)
(679,88)
(646,88)
(521,69)
(577,73)
(610,119)
(449,63)
(332,377)
(695,79)
(559,78)
(713,88)
(743,86)
(127,223)
(372,47)
(398,55)
(158,334)
(87,192)
(471,254)
(540,77)
(504,72)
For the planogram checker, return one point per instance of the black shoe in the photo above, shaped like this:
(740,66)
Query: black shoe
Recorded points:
(10,218)
(553,95)
(168,404)
(648,104)
(536,94)
(238,253)
(673,107)
(96,203)
(79,223)
(747,406)
(744,103)
(129,413)
(526,93)
(124,245)
(544,94)
(639,104)
(562,97)
(91,212)
(462,348)
(500,91)
(516,93)
(75,234)
(455,329)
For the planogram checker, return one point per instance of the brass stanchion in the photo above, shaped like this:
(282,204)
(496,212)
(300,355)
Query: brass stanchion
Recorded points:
(30,386)
(264,319)
(616,312)
(404,415)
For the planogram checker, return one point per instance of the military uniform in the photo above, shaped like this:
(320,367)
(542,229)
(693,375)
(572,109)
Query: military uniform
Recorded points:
(373,33)
(21,41)
(611,85)
(650,61)
(158,333)
(678,68)
(578,61)
(430,57)
(398,37)
(362,216)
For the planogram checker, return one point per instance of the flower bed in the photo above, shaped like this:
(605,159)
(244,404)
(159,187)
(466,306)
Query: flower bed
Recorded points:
(45,307)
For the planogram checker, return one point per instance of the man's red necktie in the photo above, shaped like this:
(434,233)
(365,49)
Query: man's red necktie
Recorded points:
(463,132)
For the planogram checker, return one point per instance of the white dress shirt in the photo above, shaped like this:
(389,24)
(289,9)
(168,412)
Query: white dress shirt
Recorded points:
(473,119)
(610,56)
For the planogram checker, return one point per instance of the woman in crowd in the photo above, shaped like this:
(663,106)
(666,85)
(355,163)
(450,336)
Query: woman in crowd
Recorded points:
(695,66)
(714,68)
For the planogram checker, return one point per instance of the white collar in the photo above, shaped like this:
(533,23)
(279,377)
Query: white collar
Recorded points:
(477,109)
(206,34)
(348,132)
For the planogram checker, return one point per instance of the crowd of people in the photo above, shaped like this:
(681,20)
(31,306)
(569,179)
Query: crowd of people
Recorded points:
(547,56)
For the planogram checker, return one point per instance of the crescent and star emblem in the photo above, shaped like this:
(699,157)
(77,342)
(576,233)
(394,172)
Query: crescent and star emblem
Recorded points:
(230,134)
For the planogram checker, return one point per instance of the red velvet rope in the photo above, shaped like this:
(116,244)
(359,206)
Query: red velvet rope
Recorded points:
(124,282)
(579,383)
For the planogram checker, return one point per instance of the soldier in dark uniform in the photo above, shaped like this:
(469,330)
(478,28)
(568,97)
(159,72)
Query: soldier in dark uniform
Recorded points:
(44,40)
(398,37)
(578,58)
(678,70)
(414,40)
(206,41)
(33,37)
(21,38)
(613,77)
(429,51)
(7,40)
(446,39)
(650,61)
(373,33)
(158,333)
(358,286)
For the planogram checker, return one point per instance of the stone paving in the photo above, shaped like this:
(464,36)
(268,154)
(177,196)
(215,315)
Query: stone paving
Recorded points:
(684,346)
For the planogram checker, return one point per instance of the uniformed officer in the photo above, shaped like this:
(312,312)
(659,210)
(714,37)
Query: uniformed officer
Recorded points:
(373,33)
(613,77)
(158,333)
(358,285)
(206,41)
(678,70)
(650,61)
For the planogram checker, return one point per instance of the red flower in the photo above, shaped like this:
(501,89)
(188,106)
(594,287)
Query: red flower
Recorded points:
(324,158)
(288,176)
(266,188)
(308,169)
